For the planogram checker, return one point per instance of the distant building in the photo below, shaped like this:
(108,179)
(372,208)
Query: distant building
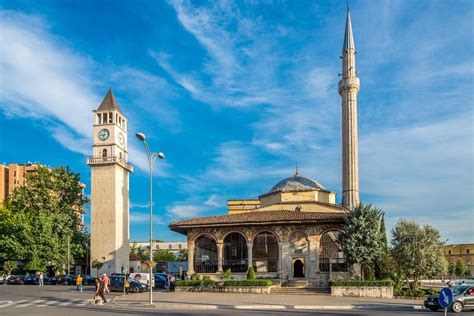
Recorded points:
(13,176)
(465,252)
(174,246)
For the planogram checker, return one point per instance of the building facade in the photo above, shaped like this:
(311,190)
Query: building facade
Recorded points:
(173,246)
(464,252)
(290,233)
(13,176)
(110,187)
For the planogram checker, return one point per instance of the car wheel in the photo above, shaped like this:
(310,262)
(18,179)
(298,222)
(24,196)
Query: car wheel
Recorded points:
(457,307)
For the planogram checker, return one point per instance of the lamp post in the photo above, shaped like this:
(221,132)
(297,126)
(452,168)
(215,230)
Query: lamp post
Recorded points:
(68,248)
(151,159)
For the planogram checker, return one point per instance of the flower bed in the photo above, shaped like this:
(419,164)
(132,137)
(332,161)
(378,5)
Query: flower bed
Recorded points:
(377,288)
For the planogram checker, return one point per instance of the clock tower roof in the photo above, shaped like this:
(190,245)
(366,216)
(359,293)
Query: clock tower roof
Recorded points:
(109,103)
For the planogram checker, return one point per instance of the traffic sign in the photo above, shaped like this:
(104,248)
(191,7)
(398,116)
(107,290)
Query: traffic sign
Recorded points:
(445,297)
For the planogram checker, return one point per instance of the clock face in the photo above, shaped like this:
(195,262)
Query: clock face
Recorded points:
(104,134)
(120,138)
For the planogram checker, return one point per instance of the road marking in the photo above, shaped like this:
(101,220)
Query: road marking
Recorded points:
(6,303)
(29,304)
(84,302)
(66,303)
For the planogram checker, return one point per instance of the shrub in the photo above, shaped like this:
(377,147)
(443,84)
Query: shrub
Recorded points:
(195,277)
(194,282)
(363,283)
(251,274)
(248,283)
(206,277)
(226,275)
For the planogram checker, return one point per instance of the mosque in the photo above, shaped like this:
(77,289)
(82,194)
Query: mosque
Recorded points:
(291,232)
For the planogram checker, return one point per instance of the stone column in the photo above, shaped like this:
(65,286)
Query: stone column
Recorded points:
(307,265)
(190,258)
(220,247)
(249,254)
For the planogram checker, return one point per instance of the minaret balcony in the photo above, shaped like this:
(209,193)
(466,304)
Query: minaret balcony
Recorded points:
(348,84)
(96,161)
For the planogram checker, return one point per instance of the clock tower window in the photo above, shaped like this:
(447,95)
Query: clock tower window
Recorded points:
(104,153)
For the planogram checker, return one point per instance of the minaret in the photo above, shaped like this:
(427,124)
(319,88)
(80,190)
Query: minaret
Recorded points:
(348,89)
(110,187)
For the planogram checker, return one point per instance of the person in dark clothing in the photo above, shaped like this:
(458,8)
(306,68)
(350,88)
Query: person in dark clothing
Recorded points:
(100,289)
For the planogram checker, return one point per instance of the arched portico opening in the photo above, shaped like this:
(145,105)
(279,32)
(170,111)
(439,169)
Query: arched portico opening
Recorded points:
(235,253)
(330,253)
(298,269)
(265,252)
(205,258)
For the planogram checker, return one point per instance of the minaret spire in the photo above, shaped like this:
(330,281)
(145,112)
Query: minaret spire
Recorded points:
(349,89)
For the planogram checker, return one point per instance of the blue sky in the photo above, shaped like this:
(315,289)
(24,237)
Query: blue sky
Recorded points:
(235,93)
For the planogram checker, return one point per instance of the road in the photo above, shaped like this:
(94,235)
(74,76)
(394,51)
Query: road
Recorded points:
(61,300)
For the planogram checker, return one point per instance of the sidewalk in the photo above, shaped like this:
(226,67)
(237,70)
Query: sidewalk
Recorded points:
(206,301)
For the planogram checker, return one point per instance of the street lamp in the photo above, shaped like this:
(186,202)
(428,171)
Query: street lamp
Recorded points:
(68,247)
(151,159)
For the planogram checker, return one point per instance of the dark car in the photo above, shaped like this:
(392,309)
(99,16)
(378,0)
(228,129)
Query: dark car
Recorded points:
(160,280)
(17,279)
(50,280)
(463,299)
(66,279)
(87,279)
(117,285)
(31,280)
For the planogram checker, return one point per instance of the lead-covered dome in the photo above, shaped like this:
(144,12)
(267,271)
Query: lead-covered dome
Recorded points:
(297,183)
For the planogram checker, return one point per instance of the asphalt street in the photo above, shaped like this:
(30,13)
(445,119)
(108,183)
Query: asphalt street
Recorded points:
(62,300)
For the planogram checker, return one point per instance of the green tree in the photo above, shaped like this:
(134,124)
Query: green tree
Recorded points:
(182,255)
(96,264)
(163,255)
(361,237)
(9,266)
(417,251)
(459,267)
(140,252)
(42,215)
(451,269)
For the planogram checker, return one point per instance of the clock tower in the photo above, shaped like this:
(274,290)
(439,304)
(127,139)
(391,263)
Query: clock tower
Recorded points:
(110,187)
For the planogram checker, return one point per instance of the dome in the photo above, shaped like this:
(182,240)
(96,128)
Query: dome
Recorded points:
(296,183)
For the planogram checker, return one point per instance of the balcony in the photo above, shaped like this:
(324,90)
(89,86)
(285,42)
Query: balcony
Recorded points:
(95,161)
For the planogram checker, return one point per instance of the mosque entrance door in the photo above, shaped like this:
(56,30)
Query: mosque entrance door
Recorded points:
(298,269)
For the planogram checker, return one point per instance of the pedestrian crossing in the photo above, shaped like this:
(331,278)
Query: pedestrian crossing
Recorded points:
(44,303)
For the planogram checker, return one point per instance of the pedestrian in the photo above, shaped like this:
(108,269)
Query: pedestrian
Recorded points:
(41,279)
(4,279)
(127,284)
(106,282)
(79,280)
(167,282)
(172,280)
(100,290)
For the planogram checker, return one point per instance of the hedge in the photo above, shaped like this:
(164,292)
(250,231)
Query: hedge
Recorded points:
(416,293)
(194,282)
(248,283)
(362,283)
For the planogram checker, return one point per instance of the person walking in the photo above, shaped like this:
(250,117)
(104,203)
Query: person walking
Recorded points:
(100,290)
(106,282)
(172,280)
(127,284)
(79,281)
(167,282)
(41,279)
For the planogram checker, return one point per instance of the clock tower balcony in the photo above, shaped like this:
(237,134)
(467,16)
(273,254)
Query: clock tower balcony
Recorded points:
(100,161)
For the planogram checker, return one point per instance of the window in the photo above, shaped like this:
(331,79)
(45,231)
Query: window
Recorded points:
(205,257)
(170,246)
(235,253)
(330,253)
(104,153)
(265,252)
(467,251)
(449,252)
(180,246)
(298,208)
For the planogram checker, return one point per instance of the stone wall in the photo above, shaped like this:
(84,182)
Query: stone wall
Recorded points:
(363,291)
(233,289)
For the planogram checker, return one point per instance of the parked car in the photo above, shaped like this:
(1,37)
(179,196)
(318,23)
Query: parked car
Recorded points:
(160,280)
(31,280)
(463,299)
(87,279)
(117,285)
(17,279)
(66,279)
(50,280)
